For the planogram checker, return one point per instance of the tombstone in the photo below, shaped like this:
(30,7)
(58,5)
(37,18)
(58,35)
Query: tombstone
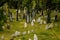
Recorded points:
(33,20)
(33,14)
(47,27)
(28,32)
(17,33)
(10,15)
(24,33)
(51,25)
(44,22)
(3,27)
(32,23)
(29,39)
(25,25)
(19,39)
(2,37)
(27,20)
(8,26)
(35,37)
(19,11)
(39,19)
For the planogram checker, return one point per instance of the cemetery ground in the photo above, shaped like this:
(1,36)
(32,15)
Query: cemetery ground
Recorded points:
(39,29)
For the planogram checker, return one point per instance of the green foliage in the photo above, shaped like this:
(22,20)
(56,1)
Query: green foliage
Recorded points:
(2,19)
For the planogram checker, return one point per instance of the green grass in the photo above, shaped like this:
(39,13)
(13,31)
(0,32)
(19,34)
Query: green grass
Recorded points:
(51,34)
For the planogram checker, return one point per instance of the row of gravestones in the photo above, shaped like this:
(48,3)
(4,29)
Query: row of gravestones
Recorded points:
(17,34)
(28,18)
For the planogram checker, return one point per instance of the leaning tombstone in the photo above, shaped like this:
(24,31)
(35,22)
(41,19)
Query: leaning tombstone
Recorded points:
(39,19)
(51,25)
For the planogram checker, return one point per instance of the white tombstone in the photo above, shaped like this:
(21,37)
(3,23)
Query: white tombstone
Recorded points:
(3,27)
(33,20)
(19,11)
(17,33)
(44,22)
(51,25)
(39,19)
(32,23)
(28,32)
(19,39)
(24,33)
(47,26)
(2,37)
(35,37)
(29,39)
(25,25)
